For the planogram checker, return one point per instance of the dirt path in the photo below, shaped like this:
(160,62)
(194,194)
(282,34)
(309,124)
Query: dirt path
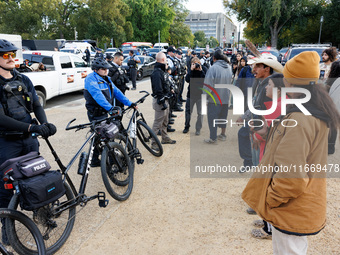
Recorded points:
(170,213)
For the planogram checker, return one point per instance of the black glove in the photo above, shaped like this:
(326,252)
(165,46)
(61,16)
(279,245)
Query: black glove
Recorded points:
(40,129)
(52,128)
(133,105)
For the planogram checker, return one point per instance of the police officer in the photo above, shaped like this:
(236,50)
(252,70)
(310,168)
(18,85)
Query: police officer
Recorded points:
(160,104)
(133,60)
(181,74)
(118,74)
(171,60)
(18,100)
(100,94)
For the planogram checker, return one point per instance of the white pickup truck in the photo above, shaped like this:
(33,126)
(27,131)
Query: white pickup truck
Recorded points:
(65,72)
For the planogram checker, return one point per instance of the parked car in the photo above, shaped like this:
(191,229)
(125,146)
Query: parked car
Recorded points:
(297,49)
(154,51)
(74,51)
(272,51)
(145,67)
(65,72)
(229,51)
(111,51)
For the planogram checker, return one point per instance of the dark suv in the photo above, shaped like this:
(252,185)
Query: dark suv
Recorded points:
(296,49)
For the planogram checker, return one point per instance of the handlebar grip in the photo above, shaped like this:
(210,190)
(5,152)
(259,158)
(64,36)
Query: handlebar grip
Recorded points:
(68,125)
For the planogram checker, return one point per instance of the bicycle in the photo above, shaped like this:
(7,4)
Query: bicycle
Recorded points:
(137,127)
(30,232)
(56,219)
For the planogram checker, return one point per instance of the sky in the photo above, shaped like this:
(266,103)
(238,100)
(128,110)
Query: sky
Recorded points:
(210,6)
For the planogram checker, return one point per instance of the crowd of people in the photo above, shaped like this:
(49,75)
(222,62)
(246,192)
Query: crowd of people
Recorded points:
(291,205)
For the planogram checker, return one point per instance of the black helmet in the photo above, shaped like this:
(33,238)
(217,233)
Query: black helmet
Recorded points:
(6,46)
(98,63)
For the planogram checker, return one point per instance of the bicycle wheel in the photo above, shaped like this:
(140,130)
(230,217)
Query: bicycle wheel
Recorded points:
(126,144)
(117,172)
(145,135)
(55,229)
(28,230)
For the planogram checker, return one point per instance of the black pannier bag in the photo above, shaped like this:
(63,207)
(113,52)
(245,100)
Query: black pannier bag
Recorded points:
(25,166)
(107,130)
(41,190)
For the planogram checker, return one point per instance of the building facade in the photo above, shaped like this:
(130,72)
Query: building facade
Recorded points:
(216,25)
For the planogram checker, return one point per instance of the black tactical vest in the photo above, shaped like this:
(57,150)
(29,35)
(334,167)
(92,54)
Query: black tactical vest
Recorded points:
(16,100)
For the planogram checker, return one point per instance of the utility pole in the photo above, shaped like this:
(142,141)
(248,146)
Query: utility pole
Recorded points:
(159,38)
(238,38)
(321,20)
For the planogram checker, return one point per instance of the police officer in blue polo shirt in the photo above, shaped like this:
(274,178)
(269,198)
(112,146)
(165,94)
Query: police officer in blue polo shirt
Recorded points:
(100,94)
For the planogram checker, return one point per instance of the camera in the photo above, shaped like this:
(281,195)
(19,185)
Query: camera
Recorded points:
(197,65)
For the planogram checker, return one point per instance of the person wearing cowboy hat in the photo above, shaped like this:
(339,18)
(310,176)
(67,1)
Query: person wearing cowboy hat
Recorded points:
(263,67)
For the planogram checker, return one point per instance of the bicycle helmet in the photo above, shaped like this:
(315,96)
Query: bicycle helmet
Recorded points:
(98,63)
(6,46)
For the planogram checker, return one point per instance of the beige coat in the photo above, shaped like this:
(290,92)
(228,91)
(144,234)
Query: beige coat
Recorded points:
(294,201)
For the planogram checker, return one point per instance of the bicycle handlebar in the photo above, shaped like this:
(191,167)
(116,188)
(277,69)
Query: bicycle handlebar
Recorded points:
(92,123)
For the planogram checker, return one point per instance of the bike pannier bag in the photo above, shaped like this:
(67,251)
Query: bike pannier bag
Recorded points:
(25,166)
(40,190)
(107,130)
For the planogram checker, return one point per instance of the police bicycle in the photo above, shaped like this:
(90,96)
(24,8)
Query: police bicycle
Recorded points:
(29,232)
(138,128)
(56,219)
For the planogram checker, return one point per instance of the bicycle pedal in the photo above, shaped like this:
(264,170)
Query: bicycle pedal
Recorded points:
(140,161)
(101,200)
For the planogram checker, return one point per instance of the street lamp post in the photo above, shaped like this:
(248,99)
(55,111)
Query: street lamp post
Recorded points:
(321,20)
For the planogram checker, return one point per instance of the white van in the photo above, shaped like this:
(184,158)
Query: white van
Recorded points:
(17,41)
(81,46)
(161,45)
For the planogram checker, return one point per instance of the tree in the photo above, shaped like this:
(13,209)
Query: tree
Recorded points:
(103,20)
(180,34)
(213,42)
(273,15)
(200,39)
(148,17)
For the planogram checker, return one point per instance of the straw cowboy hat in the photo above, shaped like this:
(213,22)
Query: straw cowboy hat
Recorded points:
(269,60)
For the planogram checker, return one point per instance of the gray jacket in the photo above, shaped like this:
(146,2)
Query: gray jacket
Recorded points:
(219,73)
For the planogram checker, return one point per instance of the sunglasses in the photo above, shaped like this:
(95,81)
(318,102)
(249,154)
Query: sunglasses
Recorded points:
(6,55)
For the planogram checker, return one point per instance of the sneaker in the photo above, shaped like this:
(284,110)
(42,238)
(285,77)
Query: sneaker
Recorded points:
(222,137)
(210,141)
(260,234)
(154,147)
(197,132)
(169,141)
(186,130)
(133,88)
(250,211)
(258,223)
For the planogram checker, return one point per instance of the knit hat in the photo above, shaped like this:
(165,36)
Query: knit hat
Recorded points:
(303,68)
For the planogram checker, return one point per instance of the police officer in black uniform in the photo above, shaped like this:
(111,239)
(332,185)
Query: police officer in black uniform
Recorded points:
(18,100)
(132,63)
(118,74)
(160,103)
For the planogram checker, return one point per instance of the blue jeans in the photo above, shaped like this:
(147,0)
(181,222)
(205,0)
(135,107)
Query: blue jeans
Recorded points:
(244,145)
(255,155)
(216,112)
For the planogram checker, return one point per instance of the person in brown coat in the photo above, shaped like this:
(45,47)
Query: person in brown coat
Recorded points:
(290,194)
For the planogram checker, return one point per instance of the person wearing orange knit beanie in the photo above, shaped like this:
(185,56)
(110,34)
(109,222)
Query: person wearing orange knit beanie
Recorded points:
(294,201)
